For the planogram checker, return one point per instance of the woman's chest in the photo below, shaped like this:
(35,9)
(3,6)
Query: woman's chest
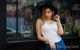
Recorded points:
(48,27)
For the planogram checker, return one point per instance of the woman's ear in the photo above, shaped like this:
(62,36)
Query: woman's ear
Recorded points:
(52,17)
(53,12)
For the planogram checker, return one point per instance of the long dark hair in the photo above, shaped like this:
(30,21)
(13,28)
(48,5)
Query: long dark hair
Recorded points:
(51,7)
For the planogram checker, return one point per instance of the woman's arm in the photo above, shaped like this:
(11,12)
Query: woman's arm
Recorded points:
(60,28)
(38,31)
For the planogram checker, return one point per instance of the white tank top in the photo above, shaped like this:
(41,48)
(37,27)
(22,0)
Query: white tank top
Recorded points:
(50,31)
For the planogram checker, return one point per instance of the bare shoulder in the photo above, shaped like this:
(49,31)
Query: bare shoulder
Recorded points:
(55,22)
(39,21)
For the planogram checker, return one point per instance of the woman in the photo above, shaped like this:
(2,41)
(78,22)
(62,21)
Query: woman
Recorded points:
(49,28)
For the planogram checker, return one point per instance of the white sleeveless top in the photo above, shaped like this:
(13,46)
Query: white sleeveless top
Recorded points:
(50,31)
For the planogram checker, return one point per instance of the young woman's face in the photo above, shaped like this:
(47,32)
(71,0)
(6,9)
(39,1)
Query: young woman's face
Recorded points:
(47,13)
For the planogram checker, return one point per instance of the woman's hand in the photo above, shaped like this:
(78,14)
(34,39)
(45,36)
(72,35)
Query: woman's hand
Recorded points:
(60,28)
(57,18)
(52,46)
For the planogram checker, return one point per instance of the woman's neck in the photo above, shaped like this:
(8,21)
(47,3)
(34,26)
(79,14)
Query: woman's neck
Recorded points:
(47,19)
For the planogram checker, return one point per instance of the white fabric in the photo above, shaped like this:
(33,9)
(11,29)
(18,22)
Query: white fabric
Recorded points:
(50,31)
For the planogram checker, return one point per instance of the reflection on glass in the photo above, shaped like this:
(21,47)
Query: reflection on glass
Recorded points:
(25,22)
(11,19)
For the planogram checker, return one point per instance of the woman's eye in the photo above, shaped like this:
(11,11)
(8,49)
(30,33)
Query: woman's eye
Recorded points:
(48,11)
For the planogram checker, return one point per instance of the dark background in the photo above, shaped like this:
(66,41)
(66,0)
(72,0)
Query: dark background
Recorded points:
(30,43)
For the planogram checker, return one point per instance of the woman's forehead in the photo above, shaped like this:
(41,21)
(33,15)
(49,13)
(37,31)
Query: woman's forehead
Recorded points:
(47,9)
